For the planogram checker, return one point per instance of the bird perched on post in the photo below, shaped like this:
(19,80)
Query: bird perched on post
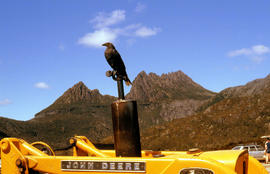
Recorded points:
(115,61)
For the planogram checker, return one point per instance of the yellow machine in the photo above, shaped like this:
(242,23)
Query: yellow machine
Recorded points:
(20,157)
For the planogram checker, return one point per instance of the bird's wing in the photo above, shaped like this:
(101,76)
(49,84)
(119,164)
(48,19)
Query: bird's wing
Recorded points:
(115,61)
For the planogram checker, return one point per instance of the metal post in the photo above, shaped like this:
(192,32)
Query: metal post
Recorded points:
(126,128)
(120,86)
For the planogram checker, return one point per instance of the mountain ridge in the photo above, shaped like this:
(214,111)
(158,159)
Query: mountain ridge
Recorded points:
(176,85)
(76,95)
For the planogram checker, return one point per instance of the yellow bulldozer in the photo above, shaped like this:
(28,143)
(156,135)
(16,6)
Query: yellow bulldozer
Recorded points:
(19,157)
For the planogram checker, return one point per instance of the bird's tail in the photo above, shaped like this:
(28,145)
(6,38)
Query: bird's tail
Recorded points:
(127,81)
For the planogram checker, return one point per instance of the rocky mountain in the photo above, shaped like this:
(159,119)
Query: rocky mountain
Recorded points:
(78,100)
(79,111)
(152,88)
(235,115)
(166,97)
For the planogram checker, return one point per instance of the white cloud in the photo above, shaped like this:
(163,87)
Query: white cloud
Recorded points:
(104,32)
(98,37)
(255,50)
(105,20)
(128,30)
(255,53)
(243,51)
(145,32)
(41,85)
(140,7)
(260,49)
(5,102)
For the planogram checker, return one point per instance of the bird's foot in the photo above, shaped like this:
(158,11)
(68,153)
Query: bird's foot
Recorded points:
(112,74)
(109,73)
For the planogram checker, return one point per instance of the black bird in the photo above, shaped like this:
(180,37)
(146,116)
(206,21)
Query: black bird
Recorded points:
(115,61)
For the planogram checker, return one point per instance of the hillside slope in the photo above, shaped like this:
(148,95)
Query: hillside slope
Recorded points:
(234,116)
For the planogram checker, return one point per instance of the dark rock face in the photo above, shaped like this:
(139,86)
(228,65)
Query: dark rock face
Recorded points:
(166,97)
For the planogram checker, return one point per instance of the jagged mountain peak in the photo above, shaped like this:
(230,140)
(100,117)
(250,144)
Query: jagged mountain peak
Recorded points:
(164,75)
(172,77)
(174,85)
(80,84)
(77,96)
(78,93)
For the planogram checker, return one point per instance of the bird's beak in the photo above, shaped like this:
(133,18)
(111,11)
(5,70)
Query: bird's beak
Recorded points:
(104,44)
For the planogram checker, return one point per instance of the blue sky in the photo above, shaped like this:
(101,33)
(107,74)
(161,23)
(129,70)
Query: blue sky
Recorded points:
(46,46)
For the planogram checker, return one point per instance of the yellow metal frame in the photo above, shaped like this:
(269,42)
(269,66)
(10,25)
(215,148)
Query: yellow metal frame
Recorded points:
(20,157)
(45,145)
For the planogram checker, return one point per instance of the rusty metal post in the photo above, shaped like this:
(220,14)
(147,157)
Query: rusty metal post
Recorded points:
(120,87)
(126,128)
